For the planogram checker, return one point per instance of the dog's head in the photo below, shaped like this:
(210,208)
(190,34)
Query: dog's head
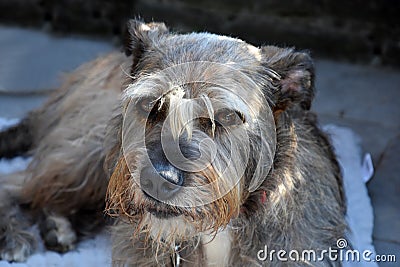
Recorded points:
(197,131)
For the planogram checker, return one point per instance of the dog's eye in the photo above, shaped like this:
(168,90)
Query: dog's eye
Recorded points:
(227,117)
(146,105)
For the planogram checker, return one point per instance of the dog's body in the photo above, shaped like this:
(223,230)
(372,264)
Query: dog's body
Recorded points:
(256,171)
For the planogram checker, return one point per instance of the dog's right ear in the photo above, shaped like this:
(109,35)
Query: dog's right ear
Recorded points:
(294,79)
(139,35)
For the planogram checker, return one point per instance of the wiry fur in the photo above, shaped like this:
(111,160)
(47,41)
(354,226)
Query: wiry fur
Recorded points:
(287,195)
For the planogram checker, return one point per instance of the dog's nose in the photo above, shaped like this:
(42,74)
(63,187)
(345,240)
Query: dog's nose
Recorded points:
(161,184)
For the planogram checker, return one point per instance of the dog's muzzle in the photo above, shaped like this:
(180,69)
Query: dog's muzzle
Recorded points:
(161,179)
(161,182)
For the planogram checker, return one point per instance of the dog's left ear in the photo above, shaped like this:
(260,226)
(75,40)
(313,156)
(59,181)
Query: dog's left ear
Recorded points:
(295,79)
(139,37)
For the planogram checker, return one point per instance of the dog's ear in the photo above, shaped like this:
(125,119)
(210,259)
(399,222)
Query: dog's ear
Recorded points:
(295,79)
(139,36)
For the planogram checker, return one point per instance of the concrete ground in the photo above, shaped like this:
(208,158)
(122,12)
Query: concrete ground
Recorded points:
(367,100)
(364,98)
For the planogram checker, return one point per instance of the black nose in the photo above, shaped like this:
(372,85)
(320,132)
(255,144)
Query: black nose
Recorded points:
(161,183)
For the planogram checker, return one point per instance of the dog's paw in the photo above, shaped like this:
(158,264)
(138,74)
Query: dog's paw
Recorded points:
(17,246)
(58,234)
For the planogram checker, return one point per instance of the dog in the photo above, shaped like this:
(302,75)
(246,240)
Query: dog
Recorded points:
(200,148)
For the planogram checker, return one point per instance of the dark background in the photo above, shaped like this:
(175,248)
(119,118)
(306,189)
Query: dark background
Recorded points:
(357,31)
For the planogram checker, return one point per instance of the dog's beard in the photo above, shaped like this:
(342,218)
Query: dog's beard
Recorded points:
(169,232)
(162,222)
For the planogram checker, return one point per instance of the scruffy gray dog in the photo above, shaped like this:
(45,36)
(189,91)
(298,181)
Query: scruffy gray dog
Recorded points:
(202,147)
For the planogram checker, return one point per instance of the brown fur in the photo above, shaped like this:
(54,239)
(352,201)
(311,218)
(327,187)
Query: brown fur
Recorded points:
(72,145)
(288,195)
